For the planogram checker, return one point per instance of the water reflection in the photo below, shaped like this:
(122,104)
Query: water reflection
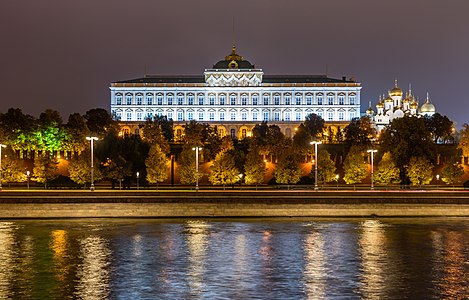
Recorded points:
(93,272)
(7,243)
(196,234)
(314,271)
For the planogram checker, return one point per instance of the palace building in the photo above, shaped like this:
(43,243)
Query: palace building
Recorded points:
(396,106)
(234,95)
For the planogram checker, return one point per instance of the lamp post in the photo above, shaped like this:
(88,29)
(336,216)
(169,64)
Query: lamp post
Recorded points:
(437,180)
(315,143)
(197,149)
(1,170)
(138,174)
(372,151)
(92,139)
(337,180)
(28,175)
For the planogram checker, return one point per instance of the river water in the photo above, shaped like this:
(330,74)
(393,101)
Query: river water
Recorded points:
(235,259)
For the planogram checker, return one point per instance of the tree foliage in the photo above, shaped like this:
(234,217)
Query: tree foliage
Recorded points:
(464,140)
(254,168)
(224,171)
(45,169)
(288,170)
(419,171)
(452,173)
(267,138)
(80,169)
(186,165)
(13,169)
(360,132)
(387,171)
(326,167)
(355,169)
(301,140)
(156,164)
(314,125)
(439,126)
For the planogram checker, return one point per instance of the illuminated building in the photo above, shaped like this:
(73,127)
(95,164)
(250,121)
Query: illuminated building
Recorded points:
(234,95)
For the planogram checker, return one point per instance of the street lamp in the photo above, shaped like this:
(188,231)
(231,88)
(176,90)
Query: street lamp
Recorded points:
(372,151)
(337,180)
(92,139)
(315,143)
(197,149)
(1,170)
(28,175)
(437,180)
(138,174)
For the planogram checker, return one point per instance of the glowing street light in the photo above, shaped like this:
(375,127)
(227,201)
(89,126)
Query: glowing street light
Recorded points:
(315,143)
(337,180)
(1,170)
(437,180)
(138,175)
(28,175)
(372,151)
(197,149)
(92,139)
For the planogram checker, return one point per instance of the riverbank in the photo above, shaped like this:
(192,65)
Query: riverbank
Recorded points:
(216,203)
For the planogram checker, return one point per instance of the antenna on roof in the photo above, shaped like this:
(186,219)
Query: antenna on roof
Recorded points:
(233,33)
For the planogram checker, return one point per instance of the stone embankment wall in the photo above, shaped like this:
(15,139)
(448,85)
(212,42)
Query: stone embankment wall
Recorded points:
(169,204)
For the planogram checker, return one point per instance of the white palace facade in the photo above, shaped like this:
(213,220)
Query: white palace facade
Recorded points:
(235,96)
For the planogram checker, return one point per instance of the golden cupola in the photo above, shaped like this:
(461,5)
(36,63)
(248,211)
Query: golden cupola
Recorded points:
(396,91)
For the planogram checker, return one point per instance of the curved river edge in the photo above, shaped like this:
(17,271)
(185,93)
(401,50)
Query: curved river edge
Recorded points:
(216,203)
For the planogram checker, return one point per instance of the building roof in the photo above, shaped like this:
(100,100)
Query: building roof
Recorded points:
(166,79)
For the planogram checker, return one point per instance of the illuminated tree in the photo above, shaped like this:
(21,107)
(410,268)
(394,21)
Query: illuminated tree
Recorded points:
(419,171)
(13,170)
(360,132)
(355,169)
(156,164)
(117,169)
(45,169)
(224,171)
(154,134)
(452,173)
(254,168)
(326,167)
(186,165)
(288,170)
(301,140)
(315,125)
(76,133)
(80,169)
(387,171)
(439,126)
(464,140)
(267,138)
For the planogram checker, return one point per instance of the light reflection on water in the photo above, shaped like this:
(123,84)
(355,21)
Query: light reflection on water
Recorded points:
(234,259)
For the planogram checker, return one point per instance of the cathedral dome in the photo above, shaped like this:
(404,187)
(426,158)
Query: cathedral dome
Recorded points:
(428,107)
(233,61)
(414,105)
(389,99)
(396,91)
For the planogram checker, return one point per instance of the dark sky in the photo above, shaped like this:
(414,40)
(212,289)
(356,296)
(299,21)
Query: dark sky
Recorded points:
(63,54)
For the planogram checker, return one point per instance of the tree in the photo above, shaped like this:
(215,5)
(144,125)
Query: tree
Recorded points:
(76,133)
(154,134)
(439,126)
(288,170)
(267,138)
(254,168)
(45,169)
(186,165)
(12,170)
(326,167)
(224,169)
(99,121)
(80,169)
(452,173)
(464,140)
(419,171)
(156,165)
(360,132)
(407,137)
(355,169)
(315,125)
(387,171)
(301,140)
(117,169)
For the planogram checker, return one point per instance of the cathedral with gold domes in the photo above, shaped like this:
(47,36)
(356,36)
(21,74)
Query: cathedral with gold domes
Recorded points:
(397,106)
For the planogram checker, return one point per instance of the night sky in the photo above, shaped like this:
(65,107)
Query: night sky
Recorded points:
(63,54)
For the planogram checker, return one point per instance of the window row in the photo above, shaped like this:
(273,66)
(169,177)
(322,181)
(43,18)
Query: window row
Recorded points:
(233,99)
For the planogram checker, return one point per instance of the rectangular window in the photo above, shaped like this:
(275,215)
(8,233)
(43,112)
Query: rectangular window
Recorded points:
(309,100)
(244,116)
(298,100)
(330,100)
(170,100)
(139,116)
(159,100)
(170,116)
(352,100)
(276,116)
(276,100)
(266,100)
(222,100)
(150,116)
(201,100)
(139,100)
(341,116)
(233,100)
(320,99)
(201,116)
(287,100)
(118,100)
(211,116)
(287,116)
(180,116)
(298,116)
(254,116)
(341,100)
(180,100)
(233,116)
(128,99)
(149,100)
(129,116)
(190,116)
(119,116)
(222,116)
(190,100)
(320,114)
(266,116)
(352,115)
(330,116)
(244,100)
(255,100)
(211,100)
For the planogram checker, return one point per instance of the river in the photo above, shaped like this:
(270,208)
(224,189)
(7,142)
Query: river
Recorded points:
(304,258)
